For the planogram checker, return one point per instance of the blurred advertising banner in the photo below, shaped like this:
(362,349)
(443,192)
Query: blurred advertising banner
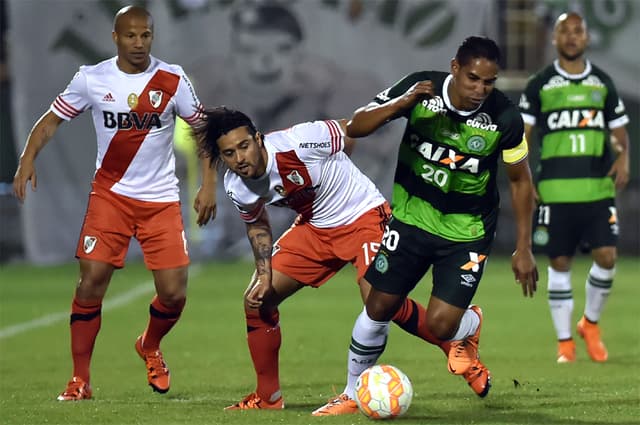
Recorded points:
(314,59)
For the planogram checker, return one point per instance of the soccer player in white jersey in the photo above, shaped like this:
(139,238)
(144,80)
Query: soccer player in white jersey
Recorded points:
(341,219)
(133,98)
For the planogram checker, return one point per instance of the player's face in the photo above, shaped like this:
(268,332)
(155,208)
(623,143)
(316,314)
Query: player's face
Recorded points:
(472,83)
(243,152)
(265,60)
(570,37)
(133,36)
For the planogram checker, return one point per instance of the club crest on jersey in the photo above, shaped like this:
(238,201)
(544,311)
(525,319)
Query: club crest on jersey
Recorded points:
(155,98)
(280,190)
(295,178)
(89,244)
(132,100)
(476,143)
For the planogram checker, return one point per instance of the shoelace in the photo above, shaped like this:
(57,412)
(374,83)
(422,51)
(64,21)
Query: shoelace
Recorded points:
(74,388)
(338,400)
(156,364)
(460,348)
(250,402)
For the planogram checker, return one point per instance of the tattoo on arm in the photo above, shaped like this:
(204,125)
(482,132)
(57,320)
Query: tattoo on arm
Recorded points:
(259,235)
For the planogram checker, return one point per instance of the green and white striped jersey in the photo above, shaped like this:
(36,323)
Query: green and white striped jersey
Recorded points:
(572,115)
(445,180)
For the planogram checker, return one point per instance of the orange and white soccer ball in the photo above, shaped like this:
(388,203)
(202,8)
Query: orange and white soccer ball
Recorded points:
(383,392)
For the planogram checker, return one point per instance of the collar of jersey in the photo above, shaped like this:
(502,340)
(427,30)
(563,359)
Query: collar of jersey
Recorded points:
(152,65)
(565,74)
(447,101)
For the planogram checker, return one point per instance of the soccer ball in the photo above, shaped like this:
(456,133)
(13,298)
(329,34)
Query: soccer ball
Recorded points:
(383,391)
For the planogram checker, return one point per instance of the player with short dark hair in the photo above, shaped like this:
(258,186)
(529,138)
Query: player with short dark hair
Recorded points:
(341,219)
(445,209)
(574,107)
(133,98)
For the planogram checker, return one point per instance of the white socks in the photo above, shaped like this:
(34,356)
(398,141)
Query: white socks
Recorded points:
(560,302)
(368,340)
(468,325)
(598,287)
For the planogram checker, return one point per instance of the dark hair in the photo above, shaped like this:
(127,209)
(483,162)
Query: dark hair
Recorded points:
(266,16)
(216,123)
(477,47)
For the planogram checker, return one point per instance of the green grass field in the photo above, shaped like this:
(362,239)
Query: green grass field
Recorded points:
(211,368)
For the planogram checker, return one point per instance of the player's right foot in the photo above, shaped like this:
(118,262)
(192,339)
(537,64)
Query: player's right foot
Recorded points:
(479,378)
(76,390)
(157,371)
(590,332)
(566,351)
(253,401)
(340,405)
(464,353)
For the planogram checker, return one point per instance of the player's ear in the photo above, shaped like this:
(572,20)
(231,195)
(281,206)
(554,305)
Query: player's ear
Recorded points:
(455,66)
(259,138)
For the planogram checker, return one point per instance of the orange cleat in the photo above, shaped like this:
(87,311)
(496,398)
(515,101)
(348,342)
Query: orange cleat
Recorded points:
(340,405)
(464,353)
(157,371)
(76,390)
(479,379)
(590,332)
(566,351)
(253,401)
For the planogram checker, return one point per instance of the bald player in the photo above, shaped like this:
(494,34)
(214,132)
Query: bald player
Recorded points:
(133,99)
(576,110)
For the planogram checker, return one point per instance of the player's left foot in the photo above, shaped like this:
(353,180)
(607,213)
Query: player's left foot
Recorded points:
(253,401)
(157,371)
(479,378)
(340,405)
(464,353)
(590,332)
(77,389)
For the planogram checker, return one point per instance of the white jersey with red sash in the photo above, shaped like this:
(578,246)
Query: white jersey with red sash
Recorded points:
(134,117)
(308,172)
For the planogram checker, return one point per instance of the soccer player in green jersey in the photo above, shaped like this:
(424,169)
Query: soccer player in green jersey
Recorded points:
(445,208)
(575,108)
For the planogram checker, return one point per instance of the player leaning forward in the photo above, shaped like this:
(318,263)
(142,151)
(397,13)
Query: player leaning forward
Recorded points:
(445,207)
(133,98)
(341,220)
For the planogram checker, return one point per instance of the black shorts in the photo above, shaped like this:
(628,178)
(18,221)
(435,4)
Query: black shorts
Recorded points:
(558,229)
(407,253)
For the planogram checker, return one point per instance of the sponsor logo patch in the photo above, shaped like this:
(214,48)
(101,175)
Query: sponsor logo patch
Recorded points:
(155,98)
(89,244)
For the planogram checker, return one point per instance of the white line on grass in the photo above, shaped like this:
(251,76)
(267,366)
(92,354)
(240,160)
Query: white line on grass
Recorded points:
(109,304)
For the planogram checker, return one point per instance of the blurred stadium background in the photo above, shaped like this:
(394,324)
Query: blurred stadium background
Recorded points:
(345,44)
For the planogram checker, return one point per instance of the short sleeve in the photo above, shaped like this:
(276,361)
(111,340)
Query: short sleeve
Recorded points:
(529,103)
(317,139)
(188,105)
(614,110)
(73,100)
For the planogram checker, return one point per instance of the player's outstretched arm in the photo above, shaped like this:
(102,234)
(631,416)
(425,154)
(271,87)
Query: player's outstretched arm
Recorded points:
(523,262)
(42,131)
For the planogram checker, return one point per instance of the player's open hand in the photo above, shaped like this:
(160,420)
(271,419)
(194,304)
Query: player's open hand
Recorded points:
(205,205)
(26,172)
(525,271)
